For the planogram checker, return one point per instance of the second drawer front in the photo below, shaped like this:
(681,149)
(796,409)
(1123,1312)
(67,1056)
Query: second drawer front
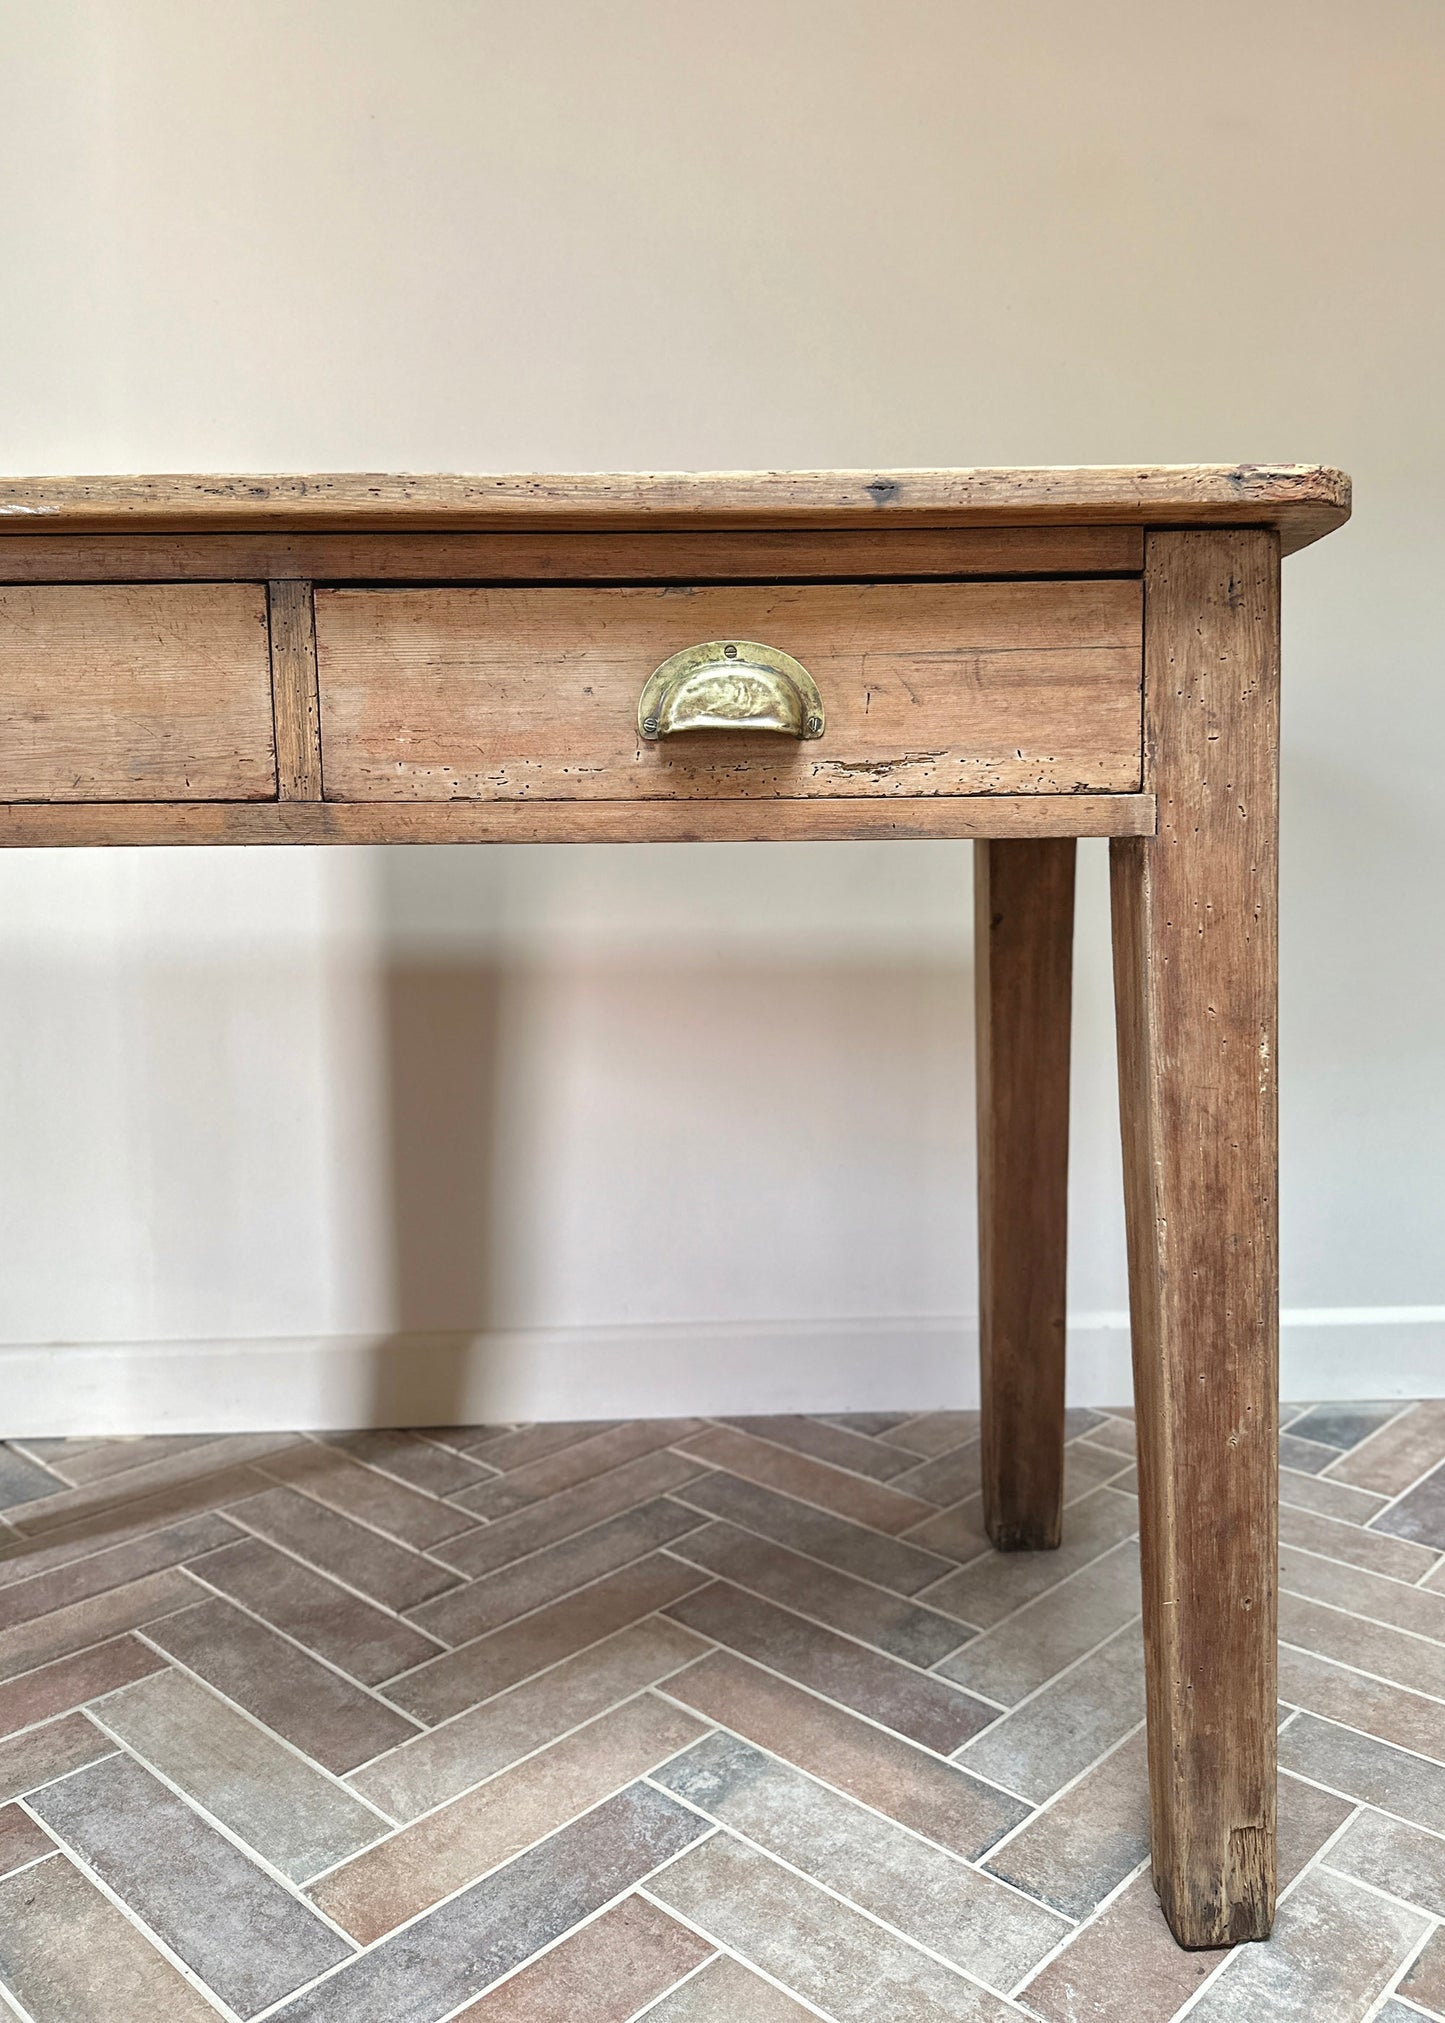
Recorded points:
(947,688)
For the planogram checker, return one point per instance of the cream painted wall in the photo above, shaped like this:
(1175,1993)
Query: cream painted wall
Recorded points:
(319,1100)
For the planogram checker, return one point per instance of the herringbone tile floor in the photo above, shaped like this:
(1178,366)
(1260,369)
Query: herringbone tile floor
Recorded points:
(709,1723)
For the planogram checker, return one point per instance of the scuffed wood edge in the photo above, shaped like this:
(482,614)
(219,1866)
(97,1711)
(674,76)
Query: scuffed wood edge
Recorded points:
(761,821)
(1302,502)
(295,700)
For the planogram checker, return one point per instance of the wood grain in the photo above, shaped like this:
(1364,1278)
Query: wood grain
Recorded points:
(135,692)
(1195,978)
(295,705)
(930,688)
(815,821)
(1300,501)
(760,554)
(1023,975)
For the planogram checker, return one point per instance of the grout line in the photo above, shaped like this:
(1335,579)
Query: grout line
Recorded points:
(1105,1903)
(1359,1616)
(349,1517)
(854,1474)
(1049,1594)
(1354,1799)
(245,1533)
(1408,1490)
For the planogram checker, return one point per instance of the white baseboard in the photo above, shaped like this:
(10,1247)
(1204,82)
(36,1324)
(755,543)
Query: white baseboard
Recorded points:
(614,1373)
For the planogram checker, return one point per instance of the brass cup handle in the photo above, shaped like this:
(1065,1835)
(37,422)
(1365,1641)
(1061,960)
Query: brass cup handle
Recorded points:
(730,685)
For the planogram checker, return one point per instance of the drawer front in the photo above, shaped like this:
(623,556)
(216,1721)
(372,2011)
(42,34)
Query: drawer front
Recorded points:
(135,692)
(929,689)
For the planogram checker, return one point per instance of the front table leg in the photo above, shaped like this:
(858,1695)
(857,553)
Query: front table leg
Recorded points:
(1195,980)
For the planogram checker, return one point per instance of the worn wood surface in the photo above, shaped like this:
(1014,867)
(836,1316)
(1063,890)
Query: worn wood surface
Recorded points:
(1023,974)
(1195,975)
(759,554)
(1300,501)
(293,689)
(761,821)
(135,692)
(930,688)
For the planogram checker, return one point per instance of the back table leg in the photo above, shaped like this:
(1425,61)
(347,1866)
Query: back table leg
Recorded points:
(1023,958)
(1195,968)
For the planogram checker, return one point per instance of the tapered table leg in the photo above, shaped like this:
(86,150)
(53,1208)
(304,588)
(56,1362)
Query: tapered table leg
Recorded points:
(1023,957)
(1195,977)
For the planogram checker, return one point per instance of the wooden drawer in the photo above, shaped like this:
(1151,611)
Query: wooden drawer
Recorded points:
(930,689)
(135,692)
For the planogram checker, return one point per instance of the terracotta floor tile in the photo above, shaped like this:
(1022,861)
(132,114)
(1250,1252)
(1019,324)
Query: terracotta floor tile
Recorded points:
(1395,1557)
(576,1463)
(949,1477)
(54,1750)
(304,1702)
(928,1434)
(1420,1515)
(1051,1738)
(1383,1598)
(880,1770)
(391,1574)
(103,1458)
(920,1636)
(1399,1454)
(344,1483)
(445,1850)
(69,1954)
(1309,1457)
(871,1503)
(420,1463)
(926,1894)
(1360,1767)
(1321,1493)
(1334,1950)
(926,1709)
(555,1571)
(93,1621)
(728,1992)
(193,1467)
(23,1480)
(851,1548)
(269,1796)
(21,1840)
(246,1936)
(814,1945)
(515,1446)
(120,1524)
(1401,1860)
(837,1444)
(70,1682)
(958,1532)
(1024,1652)
(1344,1426)
(114,1566)
(1392,1654)
(496,1545)
(1392,1713)
(605,1972)
(1424,1982)
(430,1967)
(1124,1967)
(474,1672)
(438,1765)
(368,1642)
(1086,1842)
(996,1584)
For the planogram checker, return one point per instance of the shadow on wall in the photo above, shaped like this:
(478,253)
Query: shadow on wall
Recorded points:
(656,1136)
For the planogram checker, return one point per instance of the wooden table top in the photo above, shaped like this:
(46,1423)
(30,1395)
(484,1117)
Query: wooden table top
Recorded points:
(1301,501)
